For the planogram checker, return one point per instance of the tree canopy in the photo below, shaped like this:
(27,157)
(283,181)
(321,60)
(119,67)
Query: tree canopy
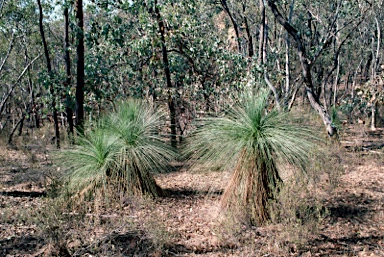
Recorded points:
(194,57)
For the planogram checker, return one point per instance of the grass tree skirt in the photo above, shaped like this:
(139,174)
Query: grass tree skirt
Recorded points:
(252,140)
(253,185)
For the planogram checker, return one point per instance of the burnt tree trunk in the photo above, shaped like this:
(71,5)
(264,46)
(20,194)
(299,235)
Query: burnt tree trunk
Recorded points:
(234,24)
(80,67)
(171,100)
(49,69)
(248,31)
(68,80)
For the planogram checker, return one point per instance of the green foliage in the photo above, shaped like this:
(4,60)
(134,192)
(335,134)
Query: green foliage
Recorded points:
(121,151)
(335,117)
(253,141)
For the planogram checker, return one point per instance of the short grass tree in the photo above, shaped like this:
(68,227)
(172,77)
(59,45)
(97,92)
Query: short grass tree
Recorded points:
(254,142)
(122,151)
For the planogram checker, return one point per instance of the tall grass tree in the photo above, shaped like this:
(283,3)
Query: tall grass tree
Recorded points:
(122,152)
(254,142)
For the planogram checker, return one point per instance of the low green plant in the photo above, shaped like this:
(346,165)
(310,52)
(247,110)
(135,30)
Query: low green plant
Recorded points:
(122,151)
(252,141)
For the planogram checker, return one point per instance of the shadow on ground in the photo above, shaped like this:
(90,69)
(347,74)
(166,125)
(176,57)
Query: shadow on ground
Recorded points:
(345,246)
(20,246)
(180,193)
(24,194)
(354,213)
(136,243)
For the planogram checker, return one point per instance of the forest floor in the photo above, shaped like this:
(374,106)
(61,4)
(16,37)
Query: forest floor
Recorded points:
(188,222)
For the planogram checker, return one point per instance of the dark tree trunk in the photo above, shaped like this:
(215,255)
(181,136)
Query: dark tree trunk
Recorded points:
(171,101)
(234,24)
(49,68)
(248,31)
(68,81)
(80,67)
(19,123)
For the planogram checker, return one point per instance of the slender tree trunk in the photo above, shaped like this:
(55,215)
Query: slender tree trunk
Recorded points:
(80,67)
(32,105)
(11,44)
(171,100)
(377,56)
(287,60)
(263,59)
(336,82)
(373,115)
(68,80)
(248,31)
(374,100)
(260,58)
(49,68)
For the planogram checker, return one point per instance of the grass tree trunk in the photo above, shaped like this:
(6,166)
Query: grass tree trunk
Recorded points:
(253,184)
(254,143)
(49,69)
(146,184)
(120,154)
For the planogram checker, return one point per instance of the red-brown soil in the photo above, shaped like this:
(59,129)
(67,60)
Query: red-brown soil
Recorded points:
(188,222)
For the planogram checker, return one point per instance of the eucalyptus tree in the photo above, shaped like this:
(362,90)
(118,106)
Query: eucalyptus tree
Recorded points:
(314,39)
(18,59)
(67,59)
(173,53)
(80,65)
(50,75)
(365,94)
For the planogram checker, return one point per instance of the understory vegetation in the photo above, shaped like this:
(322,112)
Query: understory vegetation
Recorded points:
(312,213)
(191,128)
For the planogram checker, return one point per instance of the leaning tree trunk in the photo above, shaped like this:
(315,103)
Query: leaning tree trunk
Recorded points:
(18,124)
(306,70)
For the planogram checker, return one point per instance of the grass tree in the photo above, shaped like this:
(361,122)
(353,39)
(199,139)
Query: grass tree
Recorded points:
(254,142)
(122,151)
